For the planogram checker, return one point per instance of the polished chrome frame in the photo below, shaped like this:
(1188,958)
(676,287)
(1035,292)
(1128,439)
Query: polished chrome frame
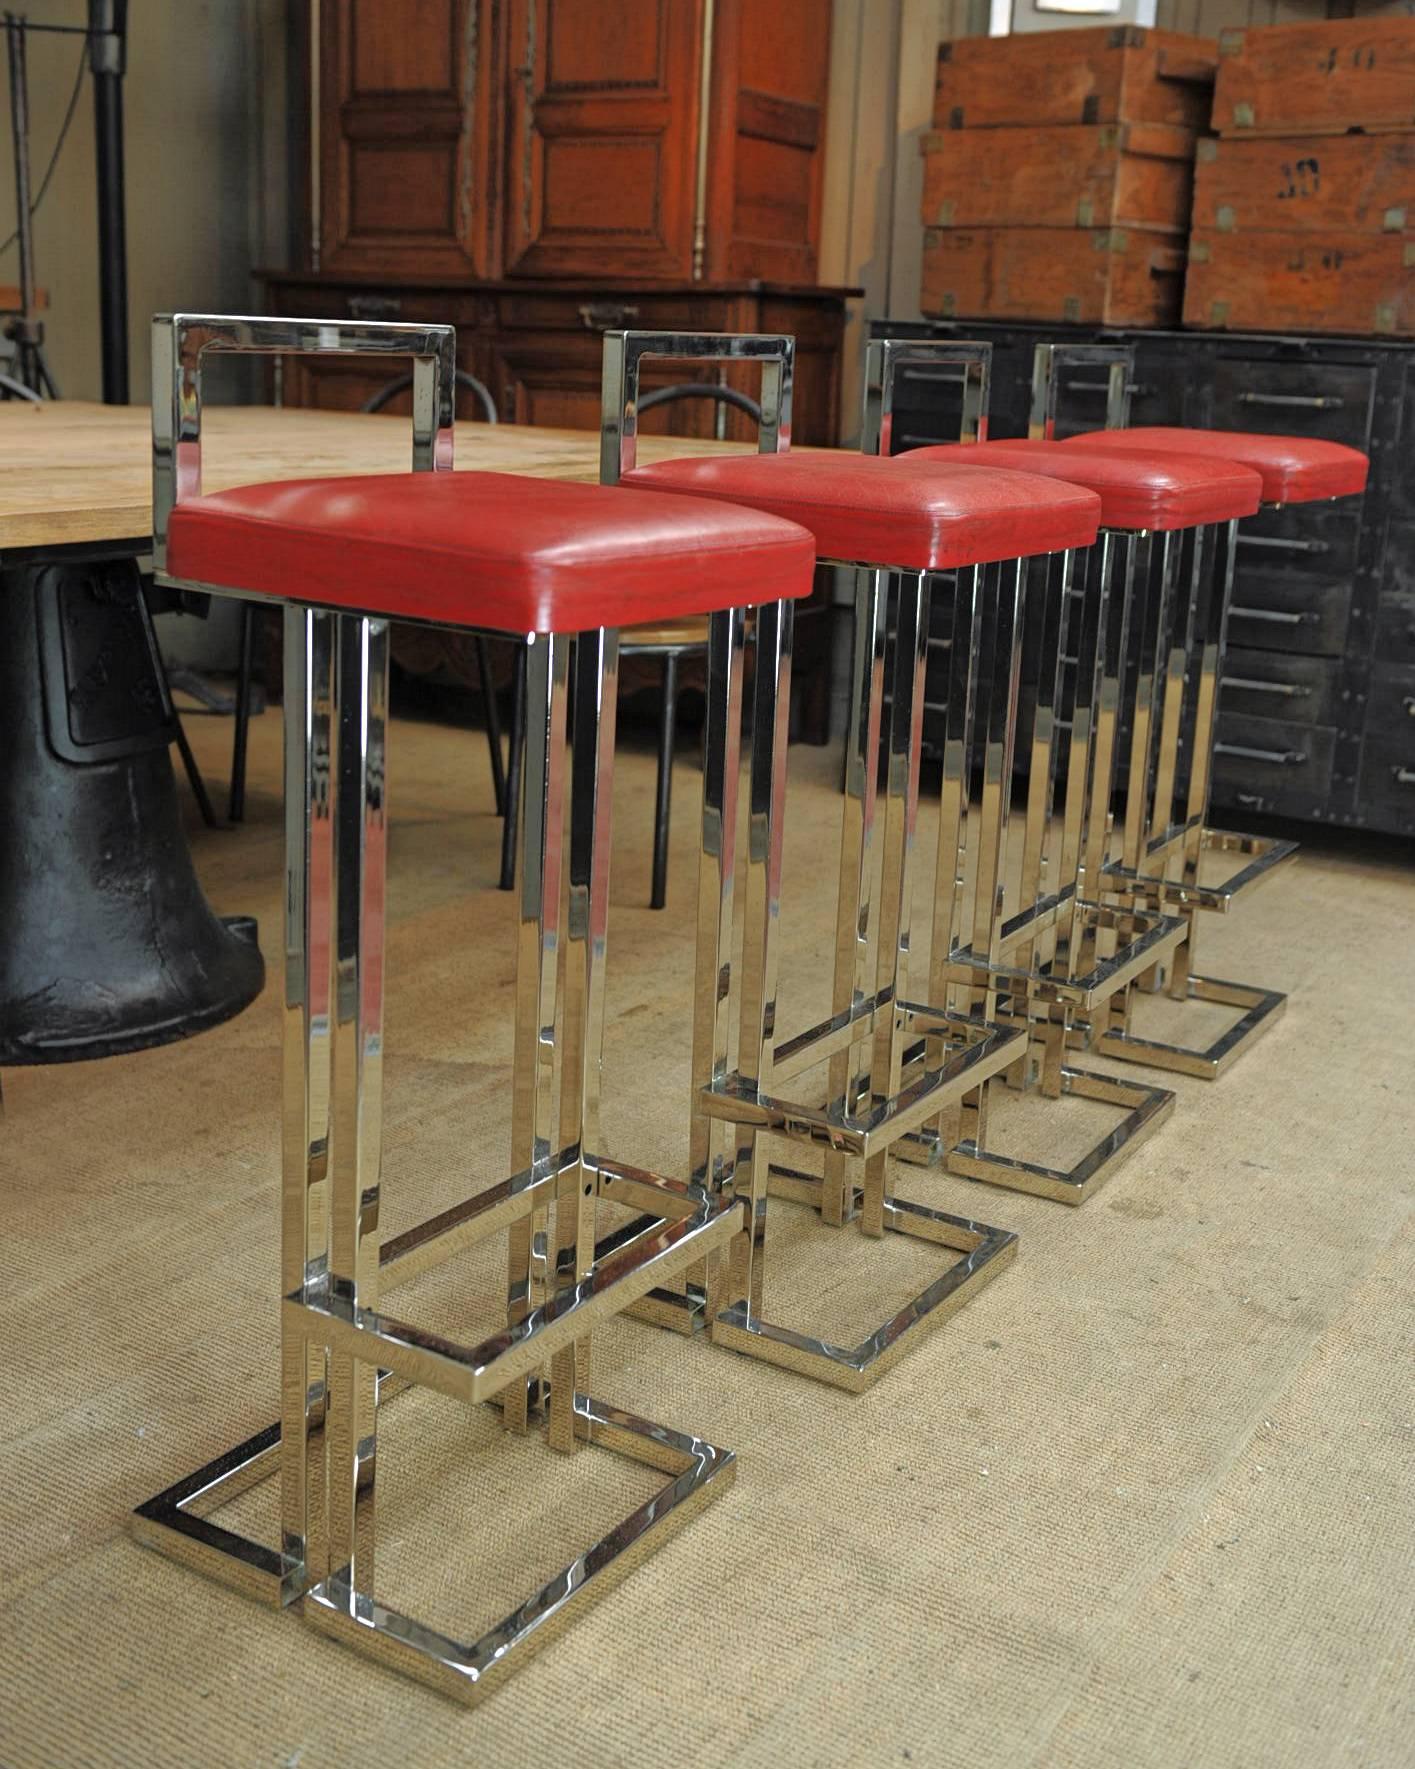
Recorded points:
(1031,949)
(734,1107)
(1173,702)
(342,1353)
(1165,838)
(885,357)
(1048,363)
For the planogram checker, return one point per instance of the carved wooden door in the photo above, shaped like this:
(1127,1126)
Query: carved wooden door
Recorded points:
(602,124)
(408,129)
(771,61)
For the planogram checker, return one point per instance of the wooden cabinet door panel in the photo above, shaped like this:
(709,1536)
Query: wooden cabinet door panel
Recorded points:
(769,72)
(602,109)
(407,136)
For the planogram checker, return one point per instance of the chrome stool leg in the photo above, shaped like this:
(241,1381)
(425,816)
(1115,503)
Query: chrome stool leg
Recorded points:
(1163,869)
(325,1447)
(888,1024)
(1056,952)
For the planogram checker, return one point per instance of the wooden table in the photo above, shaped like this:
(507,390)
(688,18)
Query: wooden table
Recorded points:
(108,944)
(81,474)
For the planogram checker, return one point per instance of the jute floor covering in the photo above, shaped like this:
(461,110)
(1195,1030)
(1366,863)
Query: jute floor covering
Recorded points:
(1148,1500)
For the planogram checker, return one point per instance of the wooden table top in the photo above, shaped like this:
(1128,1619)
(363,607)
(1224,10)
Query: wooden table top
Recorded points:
(79,472)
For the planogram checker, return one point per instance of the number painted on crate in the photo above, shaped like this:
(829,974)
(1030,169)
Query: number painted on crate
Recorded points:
(1363,57)
(1300,179)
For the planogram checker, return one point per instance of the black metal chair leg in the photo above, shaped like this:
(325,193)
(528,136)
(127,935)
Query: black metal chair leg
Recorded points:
(667,717)
(194,779)
(493,725)
(236,800)
(511,815)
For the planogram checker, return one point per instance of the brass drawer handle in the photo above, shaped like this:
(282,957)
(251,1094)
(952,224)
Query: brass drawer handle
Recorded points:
(374,306)
(607,316)
(1281,544)
(1409,704)
(1277,616)
(1317,402)
(1282,758)
(1292,690)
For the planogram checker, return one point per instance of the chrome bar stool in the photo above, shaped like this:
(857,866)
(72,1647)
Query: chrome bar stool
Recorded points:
(1083,953)
(560,566)
(1167,836)
(850,1086)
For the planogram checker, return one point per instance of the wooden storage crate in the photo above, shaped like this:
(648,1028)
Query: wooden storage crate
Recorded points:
(1079,276)
(1107,175)
(1314,79)
(1111,74)
(1326,281)
(1298,184)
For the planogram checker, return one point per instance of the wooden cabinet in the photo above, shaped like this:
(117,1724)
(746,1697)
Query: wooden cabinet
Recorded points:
(550,138)
(538,346)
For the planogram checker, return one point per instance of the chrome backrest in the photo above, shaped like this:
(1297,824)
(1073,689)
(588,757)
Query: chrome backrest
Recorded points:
(1052,360)
(180,341)
(625,351)
(932,358)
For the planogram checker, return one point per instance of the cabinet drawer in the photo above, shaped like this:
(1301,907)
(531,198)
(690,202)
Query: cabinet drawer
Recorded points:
(1395,616)
(1390,705)
(1271,612)
(1327,399)
(1268,684)
(1318,540)
(1272,757)
(1387,789)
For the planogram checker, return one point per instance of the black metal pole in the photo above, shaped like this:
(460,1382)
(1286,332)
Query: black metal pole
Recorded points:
(26,331)
(108,27)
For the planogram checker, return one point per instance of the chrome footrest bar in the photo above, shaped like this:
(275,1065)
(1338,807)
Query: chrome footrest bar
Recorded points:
(475,1373)
(1265,856)
(975,1053)
(1147,939)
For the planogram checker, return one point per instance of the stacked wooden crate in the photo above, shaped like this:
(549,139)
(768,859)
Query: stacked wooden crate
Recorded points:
(1058,175)
(1304,209)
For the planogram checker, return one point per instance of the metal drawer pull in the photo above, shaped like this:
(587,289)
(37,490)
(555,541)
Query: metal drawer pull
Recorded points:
(949,377)
(1136,389)
(1280,543)
(607,316)
(1409,704)
(1317,402)
(1284,758)
(1292,690)
(1404,776)
(1277,616)
(1249,800)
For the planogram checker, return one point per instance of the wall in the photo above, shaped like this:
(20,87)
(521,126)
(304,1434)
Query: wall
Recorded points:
(205,109)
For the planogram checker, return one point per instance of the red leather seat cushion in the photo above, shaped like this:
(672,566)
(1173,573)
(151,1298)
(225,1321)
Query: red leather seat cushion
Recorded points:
(868,511)
(1136,490)
(1295,469)
(487,549)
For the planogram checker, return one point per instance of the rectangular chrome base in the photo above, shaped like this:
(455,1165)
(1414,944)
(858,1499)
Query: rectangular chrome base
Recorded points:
(1146,1108)
(986,1253)
(1262,1008)
(175,1523)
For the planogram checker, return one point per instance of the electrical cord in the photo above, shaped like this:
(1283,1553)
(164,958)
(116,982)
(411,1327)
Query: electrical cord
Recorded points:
(58,146)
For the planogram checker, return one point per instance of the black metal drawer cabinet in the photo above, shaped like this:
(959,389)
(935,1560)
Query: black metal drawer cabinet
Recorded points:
(1316,718)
